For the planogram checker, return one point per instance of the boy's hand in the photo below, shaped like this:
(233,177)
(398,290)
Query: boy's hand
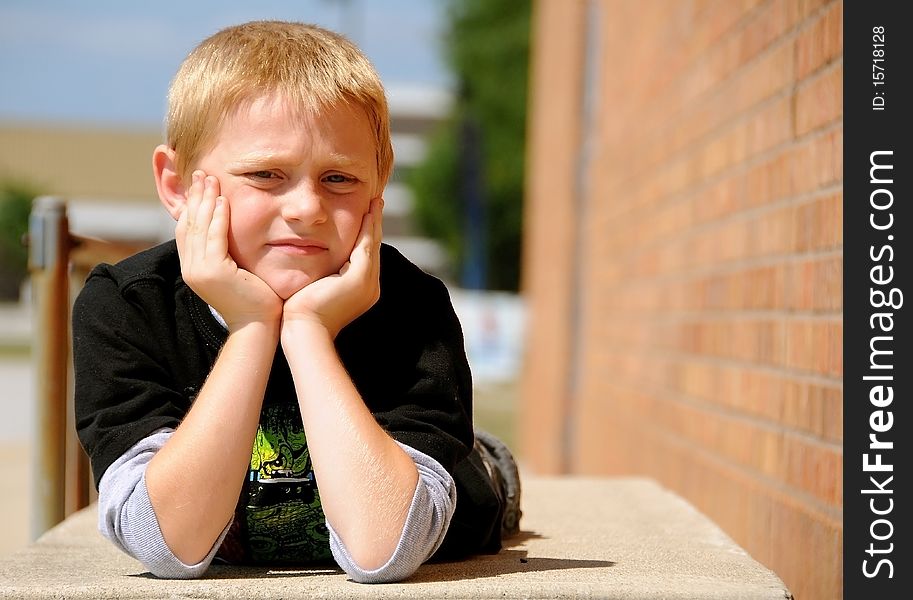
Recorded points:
(336,300)
(206,266)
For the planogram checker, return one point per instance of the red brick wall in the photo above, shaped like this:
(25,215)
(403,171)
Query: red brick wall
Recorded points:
(683,262)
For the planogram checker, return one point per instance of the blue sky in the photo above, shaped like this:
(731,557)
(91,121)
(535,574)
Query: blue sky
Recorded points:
(110,61)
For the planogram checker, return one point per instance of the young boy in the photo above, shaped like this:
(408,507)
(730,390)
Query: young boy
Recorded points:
(275,385)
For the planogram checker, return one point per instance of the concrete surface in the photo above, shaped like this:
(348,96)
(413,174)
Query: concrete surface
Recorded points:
(621,538)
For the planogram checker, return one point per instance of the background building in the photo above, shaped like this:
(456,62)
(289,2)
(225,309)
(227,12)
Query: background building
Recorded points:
(683,262)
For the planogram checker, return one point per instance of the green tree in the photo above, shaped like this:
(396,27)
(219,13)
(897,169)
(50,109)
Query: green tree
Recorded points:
(15,206)
(487,46)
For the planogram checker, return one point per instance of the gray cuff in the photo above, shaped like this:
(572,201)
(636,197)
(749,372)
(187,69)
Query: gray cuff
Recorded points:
(426,525)
(126,517)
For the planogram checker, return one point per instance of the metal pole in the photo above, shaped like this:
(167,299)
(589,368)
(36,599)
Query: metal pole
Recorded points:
(48,262)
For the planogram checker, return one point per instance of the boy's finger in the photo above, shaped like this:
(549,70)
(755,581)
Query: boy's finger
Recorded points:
(180,235)
(182,231)
(218,230)
(378,236)
(366,237)
(358,266)
(192,203)
(379,222)
(200,230)
(363,243)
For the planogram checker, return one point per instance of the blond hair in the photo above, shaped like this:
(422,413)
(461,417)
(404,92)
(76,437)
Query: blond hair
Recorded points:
(310,67)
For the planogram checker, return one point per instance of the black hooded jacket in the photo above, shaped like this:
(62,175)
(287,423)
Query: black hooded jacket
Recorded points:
(144,343)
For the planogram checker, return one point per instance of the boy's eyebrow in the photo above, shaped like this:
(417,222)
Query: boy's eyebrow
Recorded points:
(344,161)
(260,159)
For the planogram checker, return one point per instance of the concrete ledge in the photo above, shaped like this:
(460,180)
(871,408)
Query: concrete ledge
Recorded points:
(581,538)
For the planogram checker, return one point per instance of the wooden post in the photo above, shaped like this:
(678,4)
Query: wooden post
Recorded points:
(48,263)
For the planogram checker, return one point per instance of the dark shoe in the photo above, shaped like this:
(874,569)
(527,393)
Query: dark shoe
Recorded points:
(502,468)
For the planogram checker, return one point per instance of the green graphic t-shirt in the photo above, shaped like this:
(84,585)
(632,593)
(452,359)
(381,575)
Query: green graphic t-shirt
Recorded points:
(279,518)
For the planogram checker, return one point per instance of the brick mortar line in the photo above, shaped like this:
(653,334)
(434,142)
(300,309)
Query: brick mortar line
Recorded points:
(784,493)
(728,268)
(702,141)
(736,364)
(764,423)
(750,212)
(729,316)
(757,422)
(688,68)
(822,71)
(730,80)
(779,485)
(700,229)
(702,272)
(790,35)
(818,12)
(734,28)
(735,170)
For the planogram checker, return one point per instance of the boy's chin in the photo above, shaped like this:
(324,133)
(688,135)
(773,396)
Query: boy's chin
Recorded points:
(287,283)
(287,288)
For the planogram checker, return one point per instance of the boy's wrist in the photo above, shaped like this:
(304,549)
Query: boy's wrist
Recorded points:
(298,329)
(266,328)
(264,318)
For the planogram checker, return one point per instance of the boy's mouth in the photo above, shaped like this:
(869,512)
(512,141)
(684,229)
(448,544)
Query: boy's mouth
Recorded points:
(299,246)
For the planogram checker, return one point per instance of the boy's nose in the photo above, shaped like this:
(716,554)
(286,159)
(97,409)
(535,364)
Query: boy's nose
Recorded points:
(304,203)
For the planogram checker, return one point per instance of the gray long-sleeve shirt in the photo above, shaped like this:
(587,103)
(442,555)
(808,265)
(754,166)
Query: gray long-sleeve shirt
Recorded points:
(126,517)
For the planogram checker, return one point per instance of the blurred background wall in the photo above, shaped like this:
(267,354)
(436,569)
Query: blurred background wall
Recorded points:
(683,262)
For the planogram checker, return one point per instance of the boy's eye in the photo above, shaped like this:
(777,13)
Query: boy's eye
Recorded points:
(262,174)
(338,178)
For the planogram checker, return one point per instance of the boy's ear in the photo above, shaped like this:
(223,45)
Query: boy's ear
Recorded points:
(168,181)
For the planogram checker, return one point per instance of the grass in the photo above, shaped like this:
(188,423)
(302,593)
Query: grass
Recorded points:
(495,411)
(15,350)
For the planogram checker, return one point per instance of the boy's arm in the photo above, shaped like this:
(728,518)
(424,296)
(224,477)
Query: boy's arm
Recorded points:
(126,517)
(194,480)
(427,522)
(366,480)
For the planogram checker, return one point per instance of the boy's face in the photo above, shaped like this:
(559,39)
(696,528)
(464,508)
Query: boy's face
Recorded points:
(297,188)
